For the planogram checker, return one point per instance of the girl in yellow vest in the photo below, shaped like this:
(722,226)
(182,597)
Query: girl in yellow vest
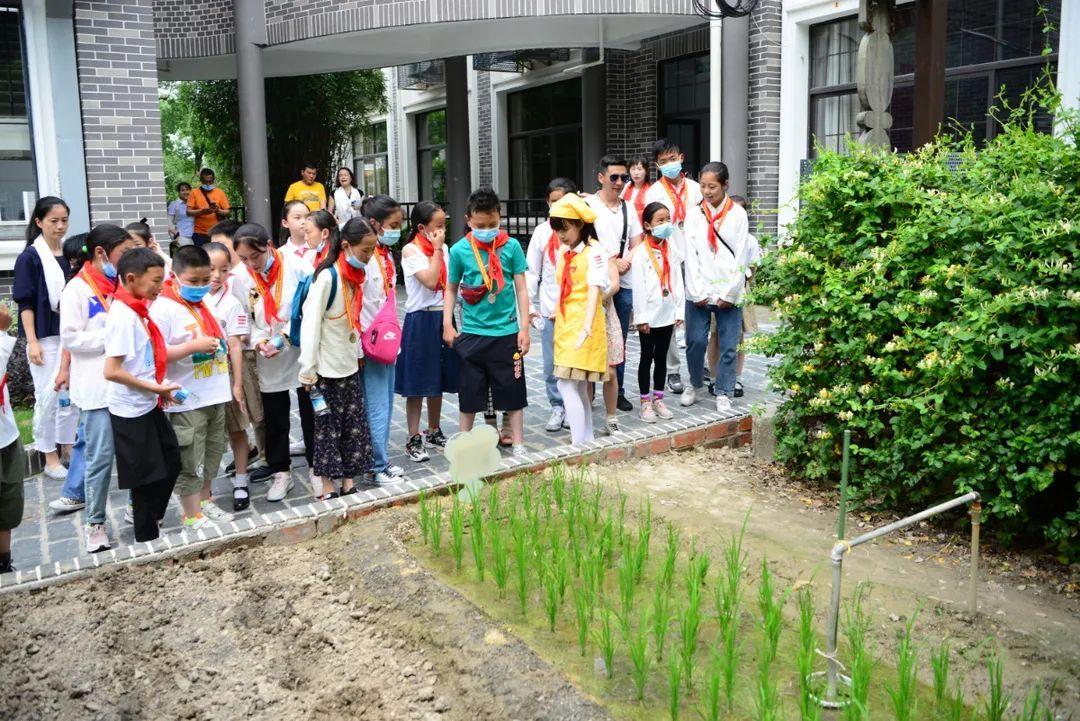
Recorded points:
(584,275)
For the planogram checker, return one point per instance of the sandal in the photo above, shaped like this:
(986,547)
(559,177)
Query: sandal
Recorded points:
(349,491)
(327,496)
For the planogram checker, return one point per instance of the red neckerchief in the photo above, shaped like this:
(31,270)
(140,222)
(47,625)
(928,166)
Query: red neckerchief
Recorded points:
(320,254)
(101,285)
(386,262)
(352,289)
(3,387)
(639,199)
(157,341)
(553,246)
(716,220)
(566,282)
(663,275)
(425,246)
(269,289)
(493,274)
(199,311)
(678,213)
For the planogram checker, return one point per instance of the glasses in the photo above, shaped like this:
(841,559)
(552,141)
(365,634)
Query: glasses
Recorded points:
(616,177)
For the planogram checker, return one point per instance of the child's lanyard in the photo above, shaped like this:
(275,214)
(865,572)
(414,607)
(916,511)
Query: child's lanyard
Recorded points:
(480,263)
(386,265)
(93,286)
(261,287)
(659,272)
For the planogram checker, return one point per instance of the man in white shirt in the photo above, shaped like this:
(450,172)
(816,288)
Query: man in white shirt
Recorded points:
(679,194)
(619,229)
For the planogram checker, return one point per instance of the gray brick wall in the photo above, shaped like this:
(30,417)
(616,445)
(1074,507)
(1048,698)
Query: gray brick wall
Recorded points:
(183,29)
(114,46)
(483,121)
(763,157)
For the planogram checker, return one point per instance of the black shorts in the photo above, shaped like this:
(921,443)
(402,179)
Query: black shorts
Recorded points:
(490,363)
(146,450)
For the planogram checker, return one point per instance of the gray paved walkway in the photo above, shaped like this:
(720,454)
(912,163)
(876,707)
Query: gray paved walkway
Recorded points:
(47,544)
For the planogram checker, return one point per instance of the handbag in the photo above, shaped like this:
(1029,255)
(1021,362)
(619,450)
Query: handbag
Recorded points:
(473,294)
(382,340)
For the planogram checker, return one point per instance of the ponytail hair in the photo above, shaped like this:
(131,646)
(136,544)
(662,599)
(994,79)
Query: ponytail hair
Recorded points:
(105,236)
(378,207)
(141,229)
(41,209)
(252,235)
(422,213)
(324,220)
(352,233)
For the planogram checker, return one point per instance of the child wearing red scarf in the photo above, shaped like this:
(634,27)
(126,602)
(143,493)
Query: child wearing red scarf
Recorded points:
(427,367)
(147,453)
(488,267)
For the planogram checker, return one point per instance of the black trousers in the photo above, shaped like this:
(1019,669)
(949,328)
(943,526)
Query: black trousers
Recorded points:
(148,504)
(276,417)
(654,348)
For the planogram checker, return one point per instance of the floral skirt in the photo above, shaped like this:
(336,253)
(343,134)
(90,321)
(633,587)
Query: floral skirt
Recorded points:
(342,437)
(616,348)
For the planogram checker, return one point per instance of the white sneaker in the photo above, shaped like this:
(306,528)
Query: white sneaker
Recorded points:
(193,523)
(383,478)
(688,397)
(297,448)
(395,471)
(723,404)
(280,486)
(647,414)
(96,539)
(57,473)
(661,410)
(611,426)
(129,514)
(215,514)
(63,504)
(520,451)
(555,421)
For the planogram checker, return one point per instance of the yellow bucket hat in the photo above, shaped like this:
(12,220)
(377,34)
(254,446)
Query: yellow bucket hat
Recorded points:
(572,207)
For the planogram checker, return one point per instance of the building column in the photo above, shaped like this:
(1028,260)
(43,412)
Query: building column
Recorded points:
(593,123)
(458,152)
(716,87)
(736,99)
(930,18)
(1068,67)
(250,25)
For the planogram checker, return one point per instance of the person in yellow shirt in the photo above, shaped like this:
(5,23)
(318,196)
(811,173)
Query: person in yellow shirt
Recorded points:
(307,190)
(207,204)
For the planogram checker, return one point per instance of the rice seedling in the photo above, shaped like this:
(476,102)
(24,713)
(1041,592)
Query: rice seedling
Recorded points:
(561,571)
(729,655)
(728,595)
(856,626)
(674,669)
(607,539)
(500,557)
(636,639)
(424,516)
(1035,709)
(667,575)
(476,537)
(955,710)
(598,559)
(436,527)
(809,710)
(645,528)
(997,701)
(604,636)
(519,533)
(457,531)
(771,608)
(660,618)
(558,484)
(767,705)
(550,586)
(583,612)
(689,623)
(902,694)
(711,693)
(627,573)
(493,500)
(620,525)
(939,662)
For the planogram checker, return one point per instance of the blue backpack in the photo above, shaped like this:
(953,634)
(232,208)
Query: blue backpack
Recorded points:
(296,318)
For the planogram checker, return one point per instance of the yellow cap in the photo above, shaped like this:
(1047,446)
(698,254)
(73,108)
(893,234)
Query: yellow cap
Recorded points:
(572,207)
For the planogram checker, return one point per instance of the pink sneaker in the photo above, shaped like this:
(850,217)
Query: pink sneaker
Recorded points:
(647,414)
(661,410)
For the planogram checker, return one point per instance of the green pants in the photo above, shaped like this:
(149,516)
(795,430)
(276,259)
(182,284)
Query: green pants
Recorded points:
(202,439)
(12,470)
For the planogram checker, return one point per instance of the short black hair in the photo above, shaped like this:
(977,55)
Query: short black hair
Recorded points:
(139,228)
(483,200)
(207,171)
(651,210)
(564,184)
(189,256)
(181,185)
(137,261)
(611,159)
(308,164)
(227,227)
(663,145)
(639,160)
(213,246)
(738,199)
(73,248)
(252,235)
(716,168)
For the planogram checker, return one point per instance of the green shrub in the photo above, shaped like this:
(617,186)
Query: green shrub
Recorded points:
(934,311)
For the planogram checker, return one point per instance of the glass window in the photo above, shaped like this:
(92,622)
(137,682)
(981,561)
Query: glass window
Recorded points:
(684,107)
(431,155)
(18,183)
(993,48)
(545,137)
(372,162)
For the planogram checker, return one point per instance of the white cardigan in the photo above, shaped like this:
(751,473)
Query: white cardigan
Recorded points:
(718,276)
(650,305)
(328,346)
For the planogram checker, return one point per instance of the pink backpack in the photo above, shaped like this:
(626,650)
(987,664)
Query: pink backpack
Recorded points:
(382,340)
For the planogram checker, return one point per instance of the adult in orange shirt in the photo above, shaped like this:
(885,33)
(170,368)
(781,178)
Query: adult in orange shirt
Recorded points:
(309,191)
(207,204)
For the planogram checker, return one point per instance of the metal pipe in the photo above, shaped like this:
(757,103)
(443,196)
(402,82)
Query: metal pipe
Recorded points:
(842,522)
(836,556)
(976,519)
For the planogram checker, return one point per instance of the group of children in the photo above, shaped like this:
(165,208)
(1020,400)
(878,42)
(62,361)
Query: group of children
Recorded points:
(202,346)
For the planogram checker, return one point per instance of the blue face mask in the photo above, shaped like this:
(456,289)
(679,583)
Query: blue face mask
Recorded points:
(390,236)
(269,262)
(109,270)
(354,261)
(663,231)
(193,293)
(671,170)
(206,187)
(485,235)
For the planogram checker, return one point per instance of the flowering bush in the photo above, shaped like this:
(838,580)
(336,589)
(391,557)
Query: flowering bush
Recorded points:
(934,312)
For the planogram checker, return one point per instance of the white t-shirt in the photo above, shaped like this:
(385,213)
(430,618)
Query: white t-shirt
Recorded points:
(609,228)
(240,286)
(228,311)
(343,205)
(278,373)
(302,252)
(9,430)
(417,295)
(374,290)
(82,333)
(690,192)
(540,276)
(206,375)
(126,338)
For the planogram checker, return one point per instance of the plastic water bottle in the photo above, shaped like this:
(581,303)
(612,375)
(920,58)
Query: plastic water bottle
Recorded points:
(183,395)
(63,398)
(318,403)
(278,342)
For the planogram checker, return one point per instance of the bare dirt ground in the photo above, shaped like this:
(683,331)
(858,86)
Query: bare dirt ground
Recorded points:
(1029,609)
(350,626)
